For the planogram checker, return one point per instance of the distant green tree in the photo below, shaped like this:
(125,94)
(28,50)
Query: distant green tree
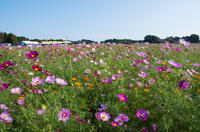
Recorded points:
(12,38)
(194,38)
(172,39)
(21,38)
(1,37)
(187,38)
(152,39)
(5,37)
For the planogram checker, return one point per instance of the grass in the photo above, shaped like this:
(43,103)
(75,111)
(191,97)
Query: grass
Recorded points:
(170,107)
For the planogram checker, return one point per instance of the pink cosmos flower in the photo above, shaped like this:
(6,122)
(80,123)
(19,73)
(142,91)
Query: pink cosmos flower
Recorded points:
(50,79)
(61,81)
(16,90)
(64,115)
(178,65)
(105,116)
(123,97)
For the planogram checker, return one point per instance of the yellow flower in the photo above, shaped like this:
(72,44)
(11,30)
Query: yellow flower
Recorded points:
(177,90)
(44,107)
(163,63)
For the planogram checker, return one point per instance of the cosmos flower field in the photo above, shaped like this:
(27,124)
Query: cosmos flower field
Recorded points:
(100,88)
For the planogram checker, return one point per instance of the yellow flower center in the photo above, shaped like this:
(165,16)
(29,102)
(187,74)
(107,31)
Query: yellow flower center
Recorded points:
(7,120)
(64,114)
(104,117)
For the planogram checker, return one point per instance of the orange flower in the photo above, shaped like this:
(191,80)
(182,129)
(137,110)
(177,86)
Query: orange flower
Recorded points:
(195,80)
(89,109)
(21,97)
(81,107)
(77,83)
(177,90)
(43,77)
(93,89)
(86,79)
(146,90)
(74,79)
(163,63)
(54,91)
(197,76)
(198,90)
(91,85)
(161,91)
(80,88)
(135,88)
(76,71)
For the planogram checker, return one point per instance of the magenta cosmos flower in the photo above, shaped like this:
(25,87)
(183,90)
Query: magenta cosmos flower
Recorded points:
(115,123)
(16,90)
(160,68)
(123,117)
(32,54)
(178,65)
(64,115)
(2,67)
(98,117)
(142,114)
(36,68)
(123,97)
(48,73)
(184,85)
(7,63)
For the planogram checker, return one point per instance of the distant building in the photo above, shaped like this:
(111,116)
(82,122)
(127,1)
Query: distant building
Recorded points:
(55,42)
(29,43)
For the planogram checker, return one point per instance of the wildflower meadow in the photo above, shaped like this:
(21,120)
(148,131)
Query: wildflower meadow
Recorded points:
(100,87)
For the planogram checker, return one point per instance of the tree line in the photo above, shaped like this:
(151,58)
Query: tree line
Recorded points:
(193,38)
(13,39)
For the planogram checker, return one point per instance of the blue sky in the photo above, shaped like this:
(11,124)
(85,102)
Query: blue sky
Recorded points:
(99,19)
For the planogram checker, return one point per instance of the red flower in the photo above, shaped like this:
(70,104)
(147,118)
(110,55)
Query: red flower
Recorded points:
(36,68)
